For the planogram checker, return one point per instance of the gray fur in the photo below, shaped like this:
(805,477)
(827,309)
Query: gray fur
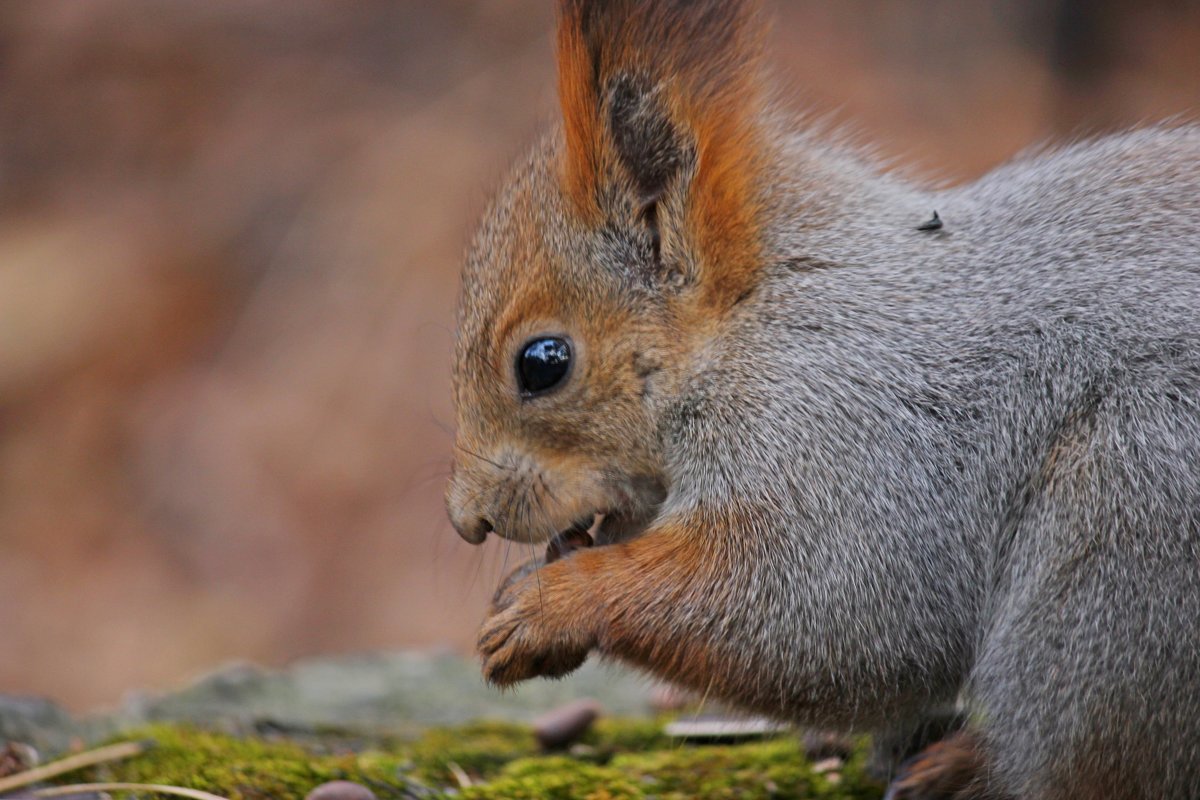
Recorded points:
(974,458)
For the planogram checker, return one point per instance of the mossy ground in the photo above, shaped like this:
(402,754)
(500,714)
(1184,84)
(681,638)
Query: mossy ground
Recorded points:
(618,760)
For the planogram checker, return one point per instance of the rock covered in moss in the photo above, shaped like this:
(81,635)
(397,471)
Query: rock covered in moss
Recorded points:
(617,760)
(240,768)
(774,770)
(479,749)
(36,722)
(557,778)
(387,692)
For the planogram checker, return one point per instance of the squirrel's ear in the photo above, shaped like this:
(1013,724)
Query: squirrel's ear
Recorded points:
(655,91)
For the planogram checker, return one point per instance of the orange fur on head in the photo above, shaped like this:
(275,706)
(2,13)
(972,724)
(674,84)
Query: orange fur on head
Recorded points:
(701,59)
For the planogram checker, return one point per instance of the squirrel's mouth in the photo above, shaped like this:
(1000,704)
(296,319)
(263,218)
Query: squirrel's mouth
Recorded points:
(580,535)
(600,529)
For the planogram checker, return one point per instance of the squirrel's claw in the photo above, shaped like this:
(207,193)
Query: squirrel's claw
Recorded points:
(528,634)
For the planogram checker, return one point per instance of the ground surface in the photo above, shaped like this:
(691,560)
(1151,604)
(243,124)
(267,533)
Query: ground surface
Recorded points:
(407,726)
(618,760)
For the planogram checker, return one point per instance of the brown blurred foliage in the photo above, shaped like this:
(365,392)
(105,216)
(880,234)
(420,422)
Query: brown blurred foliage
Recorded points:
(229,238)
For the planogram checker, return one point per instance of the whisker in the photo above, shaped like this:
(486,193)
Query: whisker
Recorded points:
(434,468)
(526,509)
(537,577)
(504,560)
(475,495)
(550,493)
(495,464)
(551,530)
(510,502)
(479,559)
(443,426)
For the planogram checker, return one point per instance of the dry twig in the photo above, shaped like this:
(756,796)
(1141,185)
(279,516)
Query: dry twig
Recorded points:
(90,758)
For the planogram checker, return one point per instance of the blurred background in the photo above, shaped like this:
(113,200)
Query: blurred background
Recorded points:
(230,233)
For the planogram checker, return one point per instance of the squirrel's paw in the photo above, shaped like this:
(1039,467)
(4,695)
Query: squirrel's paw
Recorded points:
(534,629)
(952,769)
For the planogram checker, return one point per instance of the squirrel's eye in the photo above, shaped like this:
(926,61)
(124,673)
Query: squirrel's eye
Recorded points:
(543,364)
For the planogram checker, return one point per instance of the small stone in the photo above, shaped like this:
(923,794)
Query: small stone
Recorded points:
(823,744)
(341,790)
(827,765)
(710,728)
(562,727)
(666,697)
(17,757)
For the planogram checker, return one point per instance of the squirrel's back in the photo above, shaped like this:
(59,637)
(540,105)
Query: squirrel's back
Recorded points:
(1009,409)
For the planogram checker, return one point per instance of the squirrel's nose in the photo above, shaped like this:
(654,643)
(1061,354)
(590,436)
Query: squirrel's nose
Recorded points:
(473,530)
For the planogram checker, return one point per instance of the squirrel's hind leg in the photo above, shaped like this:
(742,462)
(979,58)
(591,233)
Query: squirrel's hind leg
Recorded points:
(955,768)
(898,743)
(1087,681)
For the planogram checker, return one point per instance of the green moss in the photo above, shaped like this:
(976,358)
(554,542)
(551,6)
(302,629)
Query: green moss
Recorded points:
(610,736)
(480,749)
(242,769)
(772,769)
(618,761)
(775,770)
(556,778)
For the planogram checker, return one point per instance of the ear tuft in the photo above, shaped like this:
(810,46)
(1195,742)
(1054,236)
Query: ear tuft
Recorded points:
(653,89)
(645,139)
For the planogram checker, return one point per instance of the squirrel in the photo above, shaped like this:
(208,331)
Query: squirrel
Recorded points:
(841,460)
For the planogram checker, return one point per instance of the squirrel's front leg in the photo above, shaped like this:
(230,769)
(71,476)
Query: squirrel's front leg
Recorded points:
(629,600)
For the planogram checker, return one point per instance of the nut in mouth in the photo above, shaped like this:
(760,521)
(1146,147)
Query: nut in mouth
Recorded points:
(577,537)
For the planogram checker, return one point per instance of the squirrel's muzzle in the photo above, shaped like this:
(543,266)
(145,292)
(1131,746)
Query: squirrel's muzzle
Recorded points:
(473,530)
